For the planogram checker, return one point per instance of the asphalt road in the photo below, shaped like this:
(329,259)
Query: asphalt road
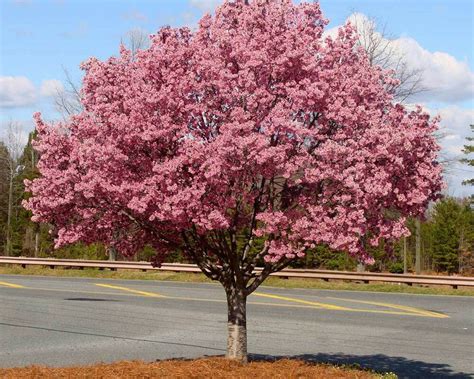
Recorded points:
(75,321)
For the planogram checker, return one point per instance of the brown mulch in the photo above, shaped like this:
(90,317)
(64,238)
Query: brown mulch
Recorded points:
(215,368)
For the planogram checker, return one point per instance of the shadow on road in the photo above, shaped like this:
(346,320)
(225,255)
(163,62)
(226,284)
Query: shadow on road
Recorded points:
(403,367)
(88,299)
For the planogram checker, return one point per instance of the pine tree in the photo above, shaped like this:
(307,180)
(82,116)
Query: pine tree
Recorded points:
(446,218)
(466,239)
(469,150)
(28,234)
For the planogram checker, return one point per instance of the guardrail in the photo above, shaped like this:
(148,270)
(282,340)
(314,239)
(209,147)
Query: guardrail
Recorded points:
(326,275)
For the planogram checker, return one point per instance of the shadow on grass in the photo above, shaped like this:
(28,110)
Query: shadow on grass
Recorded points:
(403,367)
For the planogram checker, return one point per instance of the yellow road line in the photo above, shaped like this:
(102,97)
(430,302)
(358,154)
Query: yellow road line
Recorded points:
(224,301)
(361,310)
(303,306)
(313,303)
(11,285)
(405,308)
(143,293)
(293,306)
(402,310)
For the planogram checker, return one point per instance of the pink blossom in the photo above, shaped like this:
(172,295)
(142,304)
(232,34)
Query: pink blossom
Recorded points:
(252,125)
(369,261)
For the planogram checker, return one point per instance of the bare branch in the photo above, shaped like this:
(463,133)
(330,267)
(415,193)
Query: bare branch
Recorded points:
(68,102)
(136,40)
(383,52)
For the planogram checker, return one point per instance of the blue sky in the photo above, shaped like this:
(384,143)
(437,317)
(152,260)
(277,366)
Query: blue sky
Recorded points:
(40,37)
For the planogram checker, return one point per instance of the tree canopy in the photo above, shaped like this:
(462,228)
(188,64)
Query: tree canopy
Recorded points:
(253,127)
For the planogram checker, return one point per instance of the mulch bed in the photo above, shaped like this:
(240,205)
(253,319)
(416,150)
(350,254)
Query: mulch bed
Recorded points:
(214,368)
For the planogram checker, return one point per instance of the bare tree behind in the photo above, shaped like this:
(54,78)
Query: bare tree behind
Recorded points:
(383,52)
(68,101)
(136,40)
(4,186)
(11,161)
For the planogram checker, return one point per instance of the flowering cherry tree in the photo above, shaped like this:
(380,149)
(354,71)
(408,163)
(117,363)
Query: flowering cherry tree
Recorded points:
(248,140)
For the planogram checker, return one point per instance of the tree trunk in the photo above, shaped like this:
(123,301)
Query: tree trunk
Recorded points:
(112,253)
(461,249)
(405,259)
(8,245)
(36,244)
(236,325)
(418,248)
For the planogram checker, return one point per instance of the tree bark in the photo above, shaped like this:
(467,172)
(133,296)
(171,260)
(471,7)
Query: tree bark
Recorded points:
(236,324)
(8,245)
(461,249)
(36,244)
(418,248)
(405,261)
(112,253)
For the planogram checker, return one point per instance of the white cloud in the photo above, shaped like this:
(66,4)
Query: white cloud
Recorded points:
(443,77)
(51,87)
(450,137)
(331,32)
(19,91)
(455,120)
(205,5)
(16,91)
(454,128)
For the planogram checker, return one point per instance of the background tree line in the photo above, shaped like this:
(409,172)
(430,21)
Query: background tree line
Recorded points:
(444,241)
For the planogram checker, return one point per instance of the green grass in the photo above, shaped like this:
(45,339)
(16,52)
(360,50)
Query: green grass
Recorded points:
(200,278)
(107,274)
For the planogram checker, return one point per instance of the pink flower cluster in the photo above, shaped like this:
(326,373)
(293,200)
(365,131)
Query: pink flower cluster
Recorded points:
(253,123)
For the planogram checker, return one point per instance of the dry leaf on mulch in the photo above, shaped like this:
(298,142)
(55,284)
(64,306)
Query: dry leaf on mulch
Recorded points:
(215,368)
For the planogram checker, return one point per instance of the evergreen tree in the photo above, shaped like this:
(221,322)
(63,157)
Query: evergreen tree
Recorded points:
(27,239)
(469,150)
(10,163)
(446,218)
(466,239)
